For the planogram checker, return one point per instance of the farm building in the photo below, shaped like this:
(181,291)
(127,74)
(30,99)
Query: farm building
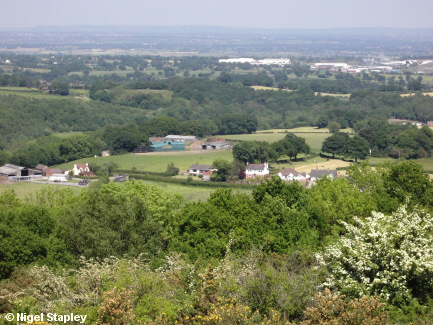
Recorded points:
(159,146)
(217,145)
(17,173)
(180,138)
(47,171)
(43,169)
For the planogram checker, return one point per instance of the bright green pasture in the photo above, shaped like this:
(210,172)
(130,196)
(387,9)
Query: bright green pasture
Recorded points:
(268,137)
(38,70)
(28,189)
(303,129)
(25,92)
(313,139)
(191,193)
(36,93)
(157,161)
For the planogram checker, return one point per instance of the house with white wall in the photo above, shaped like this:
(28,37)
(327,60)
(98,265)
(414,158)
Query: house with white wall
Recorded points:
(256,170)
(80,169)
(317,174)
(289,174)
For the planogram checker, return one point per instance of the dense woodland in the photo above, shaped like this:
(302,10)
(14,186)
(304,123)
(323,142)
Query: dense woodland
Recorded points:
(355,250)
(240,258)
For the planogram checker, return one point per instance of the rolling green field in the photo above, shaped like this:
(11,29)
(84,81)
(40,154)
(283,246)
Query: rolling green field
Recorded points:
(26,92)
(157,161)
(314,139)
(191,193)
(36,93)
(28,189)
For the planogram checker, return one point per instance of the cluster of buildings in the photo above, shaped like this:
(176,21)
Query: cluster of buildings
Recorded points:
(382,66)
(16,173)
(260,171)
(410,122)
(179,143)
(344,67)
(280,62)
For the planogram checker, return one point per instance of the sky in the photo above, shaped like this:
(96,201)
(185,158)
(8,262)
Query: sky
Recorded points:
(279,14)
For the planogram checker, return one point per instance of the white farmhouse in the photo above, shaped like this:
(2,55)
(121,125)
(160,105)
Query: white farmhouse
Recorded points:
(289,174)
(256,170)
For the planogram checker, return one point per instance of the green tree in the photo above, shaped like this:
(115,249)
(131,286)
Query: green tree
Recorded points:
(357,148)
(223,169)
(118,219)
(408,180)
(322,122)
(334,126)
(59,87)
(251,151)
(336,144)
(172,170)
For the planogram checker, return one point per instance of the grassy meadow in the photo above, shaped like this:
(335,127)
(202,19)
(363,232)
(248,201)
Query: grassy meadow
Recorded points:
(158,161)
(313,136)
(28,189)
(191,193)
(36,93)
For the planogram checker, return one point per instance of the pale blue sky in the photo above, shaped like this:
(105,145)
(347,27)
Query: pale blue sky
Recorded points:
(230,13)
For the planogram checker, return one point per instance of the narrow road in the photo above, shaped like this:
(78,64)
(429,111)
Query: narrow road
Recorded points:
(59,183)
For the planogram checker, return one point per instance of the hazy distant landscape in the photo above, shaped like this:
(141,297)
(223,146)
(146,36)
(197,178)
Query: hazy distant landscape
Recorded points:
(221,41)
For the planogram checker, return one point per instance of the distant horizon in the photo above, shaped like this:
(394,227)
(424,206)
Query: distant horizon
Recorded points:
(273,14)
(207,27)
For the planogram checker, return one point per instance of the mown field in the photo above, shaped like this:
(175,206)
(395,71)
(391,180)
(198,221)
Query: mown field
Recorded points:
(158,161)
(36,93)
(313,136)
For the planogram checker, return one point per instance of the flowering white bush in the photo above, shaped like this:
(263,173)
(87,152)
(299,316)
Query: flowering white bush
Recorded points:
(383,255)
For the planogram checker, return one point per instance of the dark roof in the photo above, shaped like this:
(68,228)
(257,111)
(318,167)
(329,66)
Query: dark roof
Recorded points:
(200,167)
(322,172)
(288,171)
(41,166)
(255,166)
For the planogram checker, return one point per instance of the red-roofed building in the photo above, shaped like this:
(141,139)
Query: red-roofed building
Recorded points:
(81,169)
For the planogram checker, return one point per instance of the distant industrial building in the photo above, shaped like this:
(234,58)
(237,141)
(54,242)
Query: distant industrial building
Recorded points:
(184,138)
(280,62)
